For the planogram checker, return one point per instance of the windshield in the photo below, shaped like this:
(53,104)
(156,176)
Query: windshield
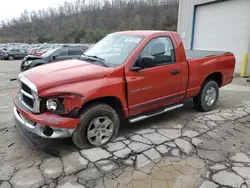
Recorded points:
(114,49)
(49,53)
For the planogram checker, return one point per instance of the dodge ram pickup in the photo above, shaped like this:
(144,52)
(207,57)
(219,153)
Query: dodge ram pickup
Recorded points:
(127,76)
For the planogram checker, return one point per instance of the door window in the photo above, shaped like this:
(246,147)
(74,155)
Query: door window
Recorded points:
(15,50)
(61,52)
(75,52)
(162,49)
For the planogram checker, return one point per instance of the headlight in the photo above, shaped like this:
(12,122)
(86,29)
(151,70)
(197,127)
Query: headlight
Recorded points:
(27,63)
(52,104)
(62,104)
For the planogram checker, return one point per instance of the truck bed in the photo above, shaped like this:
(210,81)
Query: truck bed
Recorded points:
(196,54)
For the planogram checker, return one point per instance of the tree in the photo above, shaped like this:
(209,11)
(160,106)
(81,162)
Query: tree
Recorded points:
(78,21)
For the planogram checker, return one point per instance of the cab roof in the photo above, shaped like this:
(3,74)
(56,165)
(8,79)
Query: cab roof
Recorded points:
(141,32)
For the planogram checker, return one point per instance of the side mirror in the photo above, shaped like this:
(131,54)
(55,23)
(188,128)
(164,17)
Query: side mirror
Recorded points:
(147,61)
(53,57)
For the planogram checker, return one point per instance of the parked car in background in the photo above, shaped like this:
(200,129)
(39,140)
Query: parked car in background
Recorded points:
(14,54)
(149,73)
(57,54)
(41,52)
(1,54)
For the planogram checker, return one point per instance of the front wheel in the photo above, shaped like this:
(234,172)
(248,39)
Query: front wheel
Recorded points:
(208,96)
(99,124)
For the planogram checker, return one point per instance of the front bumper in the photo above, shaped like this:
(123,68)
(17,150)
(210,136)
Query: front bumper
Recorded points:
(38,128)
(62,127)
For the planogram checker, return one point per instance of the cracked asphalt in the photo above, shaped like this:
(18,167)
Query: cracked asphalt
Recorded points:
(180,149)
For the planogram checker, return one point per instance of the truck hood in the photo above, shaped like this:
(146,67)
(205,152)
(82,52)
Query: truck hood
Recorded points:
(65,72)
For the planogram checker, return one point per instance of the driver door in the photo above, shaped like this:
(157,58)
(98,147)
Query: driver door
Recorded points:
(156,86)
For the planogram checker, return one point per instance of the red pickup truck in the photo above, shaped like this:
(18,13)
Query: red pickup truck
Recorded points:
(130,75)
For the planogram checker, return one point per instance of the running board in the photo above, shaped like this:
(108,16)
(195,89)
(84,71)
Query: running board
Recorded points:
(155,113)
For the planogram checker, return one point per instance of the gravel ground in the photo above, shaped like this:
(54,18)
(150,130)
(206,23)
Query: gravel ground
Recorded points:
(183,148)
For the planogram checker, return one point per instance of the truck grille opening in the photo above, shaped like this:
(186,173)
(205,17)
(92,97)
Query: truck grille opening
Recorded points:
(28,94)
(28,101)
(28,98)
(26,88)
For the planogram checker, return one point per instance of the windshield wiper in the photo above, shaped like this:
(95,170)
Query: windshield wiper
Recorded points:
(101,60)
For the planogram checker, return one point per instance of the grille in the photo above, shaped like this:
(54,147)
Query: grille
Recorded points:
(28,95)
(26,88)
(28,101)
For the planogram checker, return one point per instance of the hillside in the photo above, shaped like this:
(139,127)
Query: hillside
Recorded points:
(80,22)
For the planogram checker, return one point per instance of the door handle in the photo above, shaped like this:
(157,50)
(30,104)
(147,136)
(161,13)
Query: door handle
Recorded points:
(176,71)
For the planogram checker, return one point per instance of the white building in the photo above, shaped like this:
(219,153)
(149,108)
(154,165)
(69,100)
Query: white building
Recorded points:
(222,25)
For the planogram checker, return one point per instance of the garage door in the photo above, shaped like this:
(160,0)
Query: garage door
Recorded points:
(223,26)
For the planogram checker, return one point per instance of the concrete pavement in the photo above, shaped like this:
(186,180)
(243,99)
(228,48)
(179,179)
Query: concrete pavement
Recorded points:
(183,148)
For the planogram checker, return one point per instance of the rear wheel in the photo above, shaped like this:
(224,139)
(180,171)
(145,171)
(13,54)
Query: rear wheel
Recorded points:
(208,96)
(98,126)
(10,57)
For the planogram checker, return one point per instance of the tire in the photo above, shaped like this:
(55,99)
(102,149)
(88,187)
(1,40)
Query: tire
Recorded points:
(90,116)
(202,103)
(10,57)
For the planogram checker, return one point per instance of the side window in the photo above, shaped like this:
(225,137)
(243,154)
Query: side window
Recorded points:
(14,50)
(75,52)
(162,49)
(61,52)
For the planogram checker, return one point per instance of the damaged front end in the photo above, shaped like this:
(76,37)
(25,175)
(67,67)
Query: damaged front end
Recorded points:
(47,118)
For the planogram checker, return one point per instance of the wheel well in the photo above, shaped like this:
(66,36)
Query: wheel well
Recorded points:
(217,77)
(114,102)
